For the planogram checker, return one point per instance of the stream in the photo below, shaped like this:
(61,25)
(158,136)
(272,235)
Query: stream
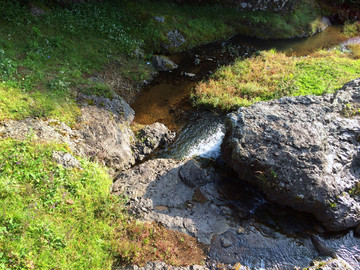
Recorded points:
(271,236)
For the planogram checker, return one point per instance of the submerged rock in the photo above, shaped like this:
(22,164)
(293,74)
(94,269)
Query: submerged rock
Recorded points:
(301,152)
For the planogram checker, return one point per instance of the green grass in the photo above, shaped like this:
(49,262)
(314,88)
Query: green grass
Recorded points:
(57,218)
(51,216)
(271,75)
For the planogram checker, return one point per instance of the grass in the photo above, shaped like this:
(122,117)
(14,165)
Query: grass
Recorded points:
(351,29)
(272,75)
(45,61)
(57,218)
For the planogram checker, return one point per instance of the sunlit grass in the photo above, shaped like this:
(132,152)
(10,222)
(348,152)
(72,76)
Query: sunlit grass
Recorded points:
(272,75)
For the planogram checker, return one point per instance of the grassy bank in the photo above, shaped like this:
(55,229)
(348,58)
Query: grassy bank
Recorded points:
(57,218)
(99,48)
(272,75)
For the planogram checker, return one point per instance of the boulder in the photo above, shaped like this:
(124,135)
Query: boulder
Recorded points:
(151,137)
(102,132)
(302,152)
(162,63)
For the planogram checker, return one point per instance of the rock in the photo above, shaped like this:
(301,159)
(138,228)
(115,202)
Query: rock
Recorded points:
(175,39)
(66,160)
(158,194)
(105,131)
(37,11)
(357,230)
(190,75)
(151,137)
(301,152)
(192,174)
(331,264)
(159,19)
(162,63)
(102,132)
(240,230)
(225,242)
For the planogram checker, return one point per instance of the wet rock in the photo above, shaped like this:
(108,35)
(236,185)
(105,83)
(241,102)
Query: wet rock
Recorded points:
(162,63)
(259,247)
(301,152)
(151,137)
(156,183)
(66,160)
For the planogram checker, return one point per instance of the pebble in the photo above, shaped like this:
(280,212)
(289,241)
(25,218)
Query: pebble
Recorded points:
(225,242)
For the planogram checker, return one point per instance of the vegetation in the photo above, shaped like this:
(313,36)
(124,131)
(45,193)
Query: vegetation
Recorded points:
(46,60)
(351,29)
(272,74)
(54,217)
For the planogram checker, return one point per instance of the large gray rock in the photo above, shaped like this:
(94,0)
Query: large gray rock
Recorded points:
(101,132)
(301,152)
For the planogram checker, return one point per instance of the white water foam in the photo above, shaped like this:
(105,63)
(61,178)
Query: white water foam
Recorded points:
(209,146)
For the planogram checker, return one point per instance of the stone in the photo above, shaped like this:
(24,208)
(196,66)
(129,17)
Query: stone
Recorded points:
(159,19)
(192,174)
(66,160)
(175,39)
(162,63)
(150,138)
(37,11)
(102,132)
(301,152)
(225,242)
(158,194)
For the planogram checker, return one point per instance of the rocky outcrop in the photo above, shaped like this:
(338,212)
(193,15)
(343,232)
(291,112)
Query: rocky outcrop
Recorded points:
(302,152)
(151,137)
(158,193)
(192,197)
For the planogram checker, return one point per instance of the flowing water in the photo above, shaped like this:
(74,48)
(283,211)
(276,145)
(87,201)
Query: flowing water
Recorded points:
(275,237)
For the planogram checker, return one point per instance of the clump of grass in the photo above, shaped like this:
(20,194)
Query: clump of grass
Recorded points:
(351,29)
(54,217)
(272,75)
